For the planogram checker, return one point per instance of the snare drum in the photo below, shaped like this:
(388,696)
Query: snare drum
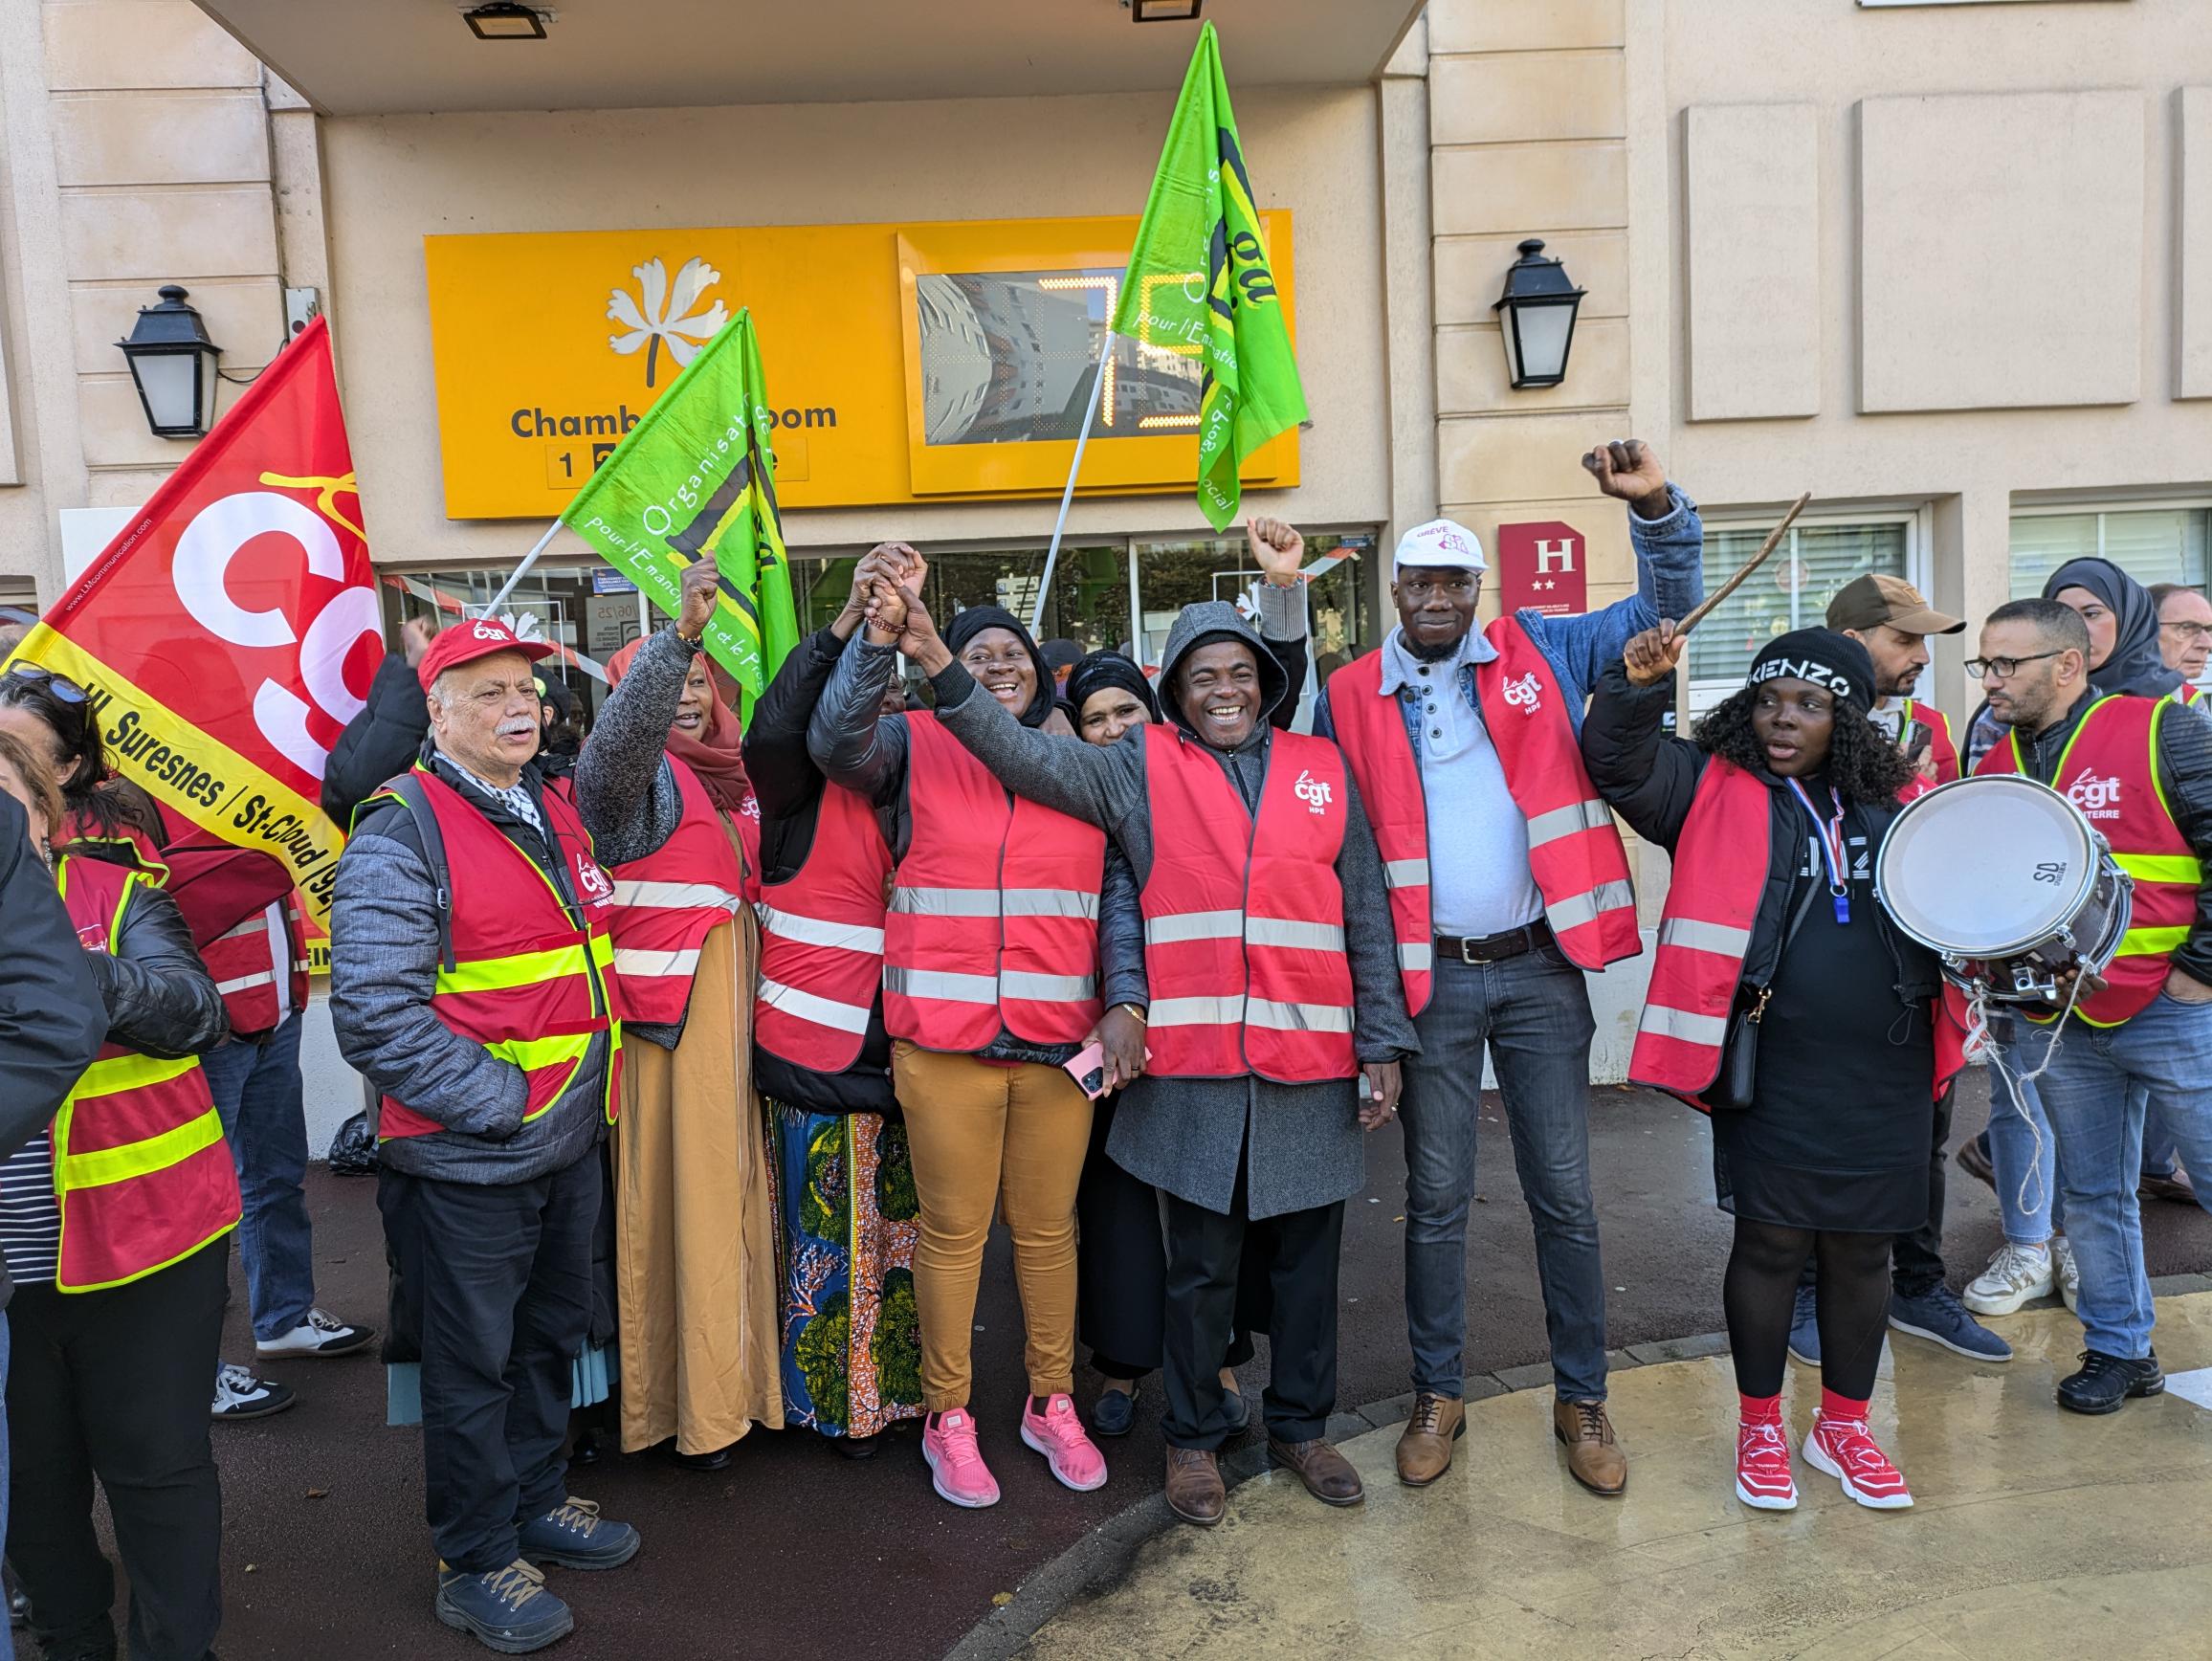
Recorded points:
(2007,881)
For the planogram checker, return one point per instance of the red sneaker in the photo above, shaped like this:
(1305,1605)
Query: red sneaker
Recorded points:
(1762,1474)
(1845,1450)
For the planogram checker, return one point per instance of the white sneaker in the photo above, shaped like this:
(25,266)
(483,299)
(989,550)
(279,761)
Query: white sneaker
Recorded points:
(240,1395)
(318,1335)
(2015,1274)
(2070,1274)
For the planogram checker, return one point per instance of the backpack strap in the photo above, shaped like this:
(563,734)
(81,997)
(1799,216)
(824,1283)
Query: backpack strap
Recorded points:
(407,790)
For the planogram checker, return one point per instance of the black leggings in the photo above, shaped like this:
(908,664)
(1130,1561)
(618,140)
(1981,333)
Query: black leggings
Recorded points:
(1853,1300)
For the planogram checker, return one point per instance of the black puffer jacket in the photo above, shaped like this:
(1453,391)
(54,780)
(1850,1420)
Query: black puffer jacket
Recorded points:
(1650,780)
(161,999)
(379,741)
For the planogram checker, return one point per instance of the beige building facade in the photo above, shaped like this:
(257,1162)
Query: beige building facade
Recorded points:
(1947,266)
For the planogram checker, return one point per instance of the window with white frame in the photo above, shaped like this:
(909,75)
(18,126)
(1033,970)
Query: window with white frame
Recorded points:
(2152,544)
(1791,590)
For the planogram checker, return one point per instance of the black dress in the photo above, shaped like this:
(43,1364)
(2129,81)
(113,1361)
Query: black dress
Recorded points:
(1842,1108)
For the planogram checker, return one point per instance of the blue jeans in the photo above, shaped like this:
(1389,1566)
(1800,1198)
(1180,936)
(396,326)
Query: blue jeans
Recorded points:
(2095,1095)
(1534,1011)
(2158,1146)
(259,1095)
(2022,1152)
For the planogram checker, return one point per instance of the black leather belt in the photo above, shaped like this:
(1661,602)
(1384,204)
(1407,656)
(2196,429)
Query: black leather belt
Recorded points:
(1494,948)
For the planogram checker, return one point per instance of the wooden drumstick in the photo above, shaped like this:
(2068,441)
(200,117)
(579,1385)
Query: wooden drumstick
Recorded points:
(1773,541)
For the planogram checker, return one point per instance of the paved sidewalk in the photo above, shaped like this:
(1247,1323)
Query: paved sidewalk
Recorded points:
(795,1551)
(2034,1534)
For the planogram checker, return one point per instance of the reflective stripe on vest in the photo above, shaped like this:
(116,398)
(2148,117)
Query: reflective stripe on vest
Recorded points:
(667,903)
(142,1173)
(2109,770)
(1721,861)
(821,941)
(1574,852)
(528,984)
(1244,918)
(246,961)
(994,921)
(1942,749)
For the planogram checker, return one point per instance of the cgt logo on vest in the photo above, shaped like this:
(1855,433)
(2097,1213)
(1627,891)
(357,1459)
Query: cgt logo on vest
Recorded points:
(598,889)
(1524,693)
(2098,798)
(1315,792)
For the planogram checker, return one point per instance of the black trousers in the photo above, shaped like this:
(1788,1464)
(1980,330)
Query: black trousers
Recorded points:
(1121,1269)
(115,1384)
(502,1273)
(1916,1259)
(1205,1255)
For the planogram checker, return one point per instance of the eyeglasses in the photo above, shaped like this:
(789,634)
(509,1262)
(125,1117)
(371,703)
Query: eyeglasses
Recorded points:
(2191,631)
(38,675)
(2004,668)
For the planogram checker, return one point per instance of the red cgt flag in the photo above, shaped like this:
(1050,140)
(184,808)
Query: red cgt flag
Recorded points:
(222,633)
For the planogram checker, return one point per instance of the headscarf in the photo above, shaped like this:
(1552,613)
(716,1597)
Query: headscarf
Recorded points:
(966,625)
(2135,666)
(717,755)
(1832,661)
(1101,670)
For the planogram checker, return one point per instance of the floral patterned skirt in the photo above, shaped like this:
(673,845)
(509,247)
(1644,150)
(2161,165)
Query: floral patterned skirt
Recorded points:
(847,1223)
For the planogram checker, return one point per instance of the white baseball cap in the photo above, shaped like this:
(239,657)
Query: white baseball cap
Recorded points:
(1441,541)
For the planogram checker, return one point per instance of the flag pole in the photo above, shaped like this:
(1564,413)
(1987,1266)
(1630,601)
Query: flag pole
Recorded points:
(522,570)
(1067,496)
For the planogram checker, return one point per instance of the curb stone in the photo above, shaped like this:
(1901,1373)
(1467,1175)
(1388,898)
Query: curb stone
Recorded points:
(1099,1558)
(1103,1557)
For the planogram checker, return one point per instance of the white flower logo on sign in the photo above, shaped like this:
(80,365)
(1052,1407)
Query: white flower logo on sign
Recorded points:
(659,312)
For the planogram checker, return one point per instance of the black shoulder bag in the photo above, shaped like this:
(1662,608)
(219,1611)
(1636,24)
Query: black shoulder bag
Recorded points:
(1731,1089)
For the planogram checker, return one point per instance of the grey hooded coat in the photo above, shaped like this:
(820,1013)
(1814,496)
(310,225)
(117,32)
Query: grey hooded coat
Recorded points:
(1299,1145)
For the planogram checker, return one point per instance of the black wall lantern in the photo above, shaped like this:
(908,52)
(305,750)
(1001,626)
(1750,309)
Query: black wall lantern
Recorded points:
(174,363)
(1536,317)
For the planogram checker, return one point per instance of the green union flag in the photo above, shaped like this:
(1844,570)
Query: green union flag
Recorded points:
(695,479)
(1200,285)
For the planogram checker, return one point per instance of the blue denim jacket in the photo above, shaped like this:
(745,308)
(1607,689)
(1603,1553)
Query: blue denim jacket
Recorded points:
(1669,581)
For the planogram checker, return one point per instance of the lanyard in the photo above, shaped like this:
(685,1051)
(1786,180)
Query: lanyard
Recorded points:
(1831,840)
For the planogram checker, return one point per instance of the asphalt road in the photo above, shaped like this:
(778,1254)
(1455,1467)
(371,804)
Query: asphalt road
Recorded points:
(796,1552)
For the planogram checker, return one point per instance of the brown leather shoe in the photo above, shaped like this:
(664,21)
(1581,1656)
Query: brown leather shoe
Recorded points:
(1194,1486)
(1974,1162)
(1328,1476)
(1425,1447)
(1594,1459)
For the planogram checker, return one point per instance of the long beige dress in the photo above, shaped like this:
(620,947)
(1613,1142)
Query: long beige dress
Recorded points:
(695,1225)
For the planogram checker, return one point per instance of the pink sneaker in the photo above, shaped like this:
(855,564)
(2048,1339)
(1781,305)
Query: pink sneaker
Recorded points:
(1846,1450)
(1057,1433)
(948,1445)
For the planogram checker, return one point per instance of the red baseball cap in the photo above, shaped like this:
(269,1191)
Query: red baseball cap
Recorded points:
(466,641)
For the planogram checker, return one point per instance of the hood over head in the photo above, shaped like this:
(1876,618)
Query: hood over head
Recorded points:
(1101,670)
(966,625)
(2135,666)
(1207,621)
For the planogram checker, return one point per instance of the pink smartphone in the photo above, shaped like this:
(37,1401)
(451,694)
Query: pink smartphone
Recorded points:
(1088,1068)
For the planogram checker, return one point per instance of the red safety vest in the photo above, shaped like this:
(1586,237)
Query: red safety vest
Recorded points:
(141,1171)
(2114,779)
(1942,748)
(1575,852)
(995,918)
(821,941)
(1720,868)
(2188,692)
(520,978)
(1244,917)
(667,903)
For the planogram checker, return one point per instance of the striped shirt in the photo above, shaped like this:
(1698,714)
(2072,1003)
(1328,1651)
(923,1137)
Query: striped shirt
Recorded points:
(30,1215)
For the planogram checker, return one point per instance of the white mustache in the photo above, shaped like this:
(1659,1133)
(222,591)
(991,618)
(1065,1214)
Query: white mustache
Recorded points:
(516,728)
